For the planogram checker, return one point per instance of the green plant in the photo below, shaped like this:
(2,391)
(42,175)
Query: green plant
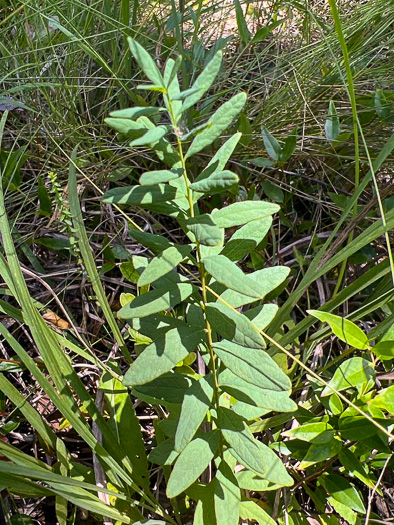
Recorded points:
(186,305)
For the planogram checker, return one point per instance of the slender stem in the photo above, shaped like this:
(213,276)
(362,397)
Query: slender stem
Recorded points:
(201,268)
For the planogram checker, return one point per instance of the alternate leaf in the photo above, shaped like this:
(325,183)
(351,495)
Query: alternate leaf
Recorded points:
(227,496)
(140,195)
(250,452)
(272,146)
(226,272)
(249,510)
(243,30)
(163,263)
(344,329)
(204,81)
(194,408)
(343,491)
(253,365)
(149,178)
(354,372)
(163,355)
(246,239)
(233,326)
(145,62)
(135,112)
(318,433)
(320,452)
(192,462)
(156,300)
(150,137)
(265,280)
(261,395)
(331,126)
(216,182)
(243,212)
(205,230)
(126,126)
(217,123)
(384,350)
(263,32)
(221,157)
(355,467)
(384,400)
(156,243)
(168,389)
(164,453)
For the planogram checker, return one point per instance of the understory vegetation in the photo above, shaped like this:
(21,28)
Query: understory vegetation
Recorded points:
(196,265)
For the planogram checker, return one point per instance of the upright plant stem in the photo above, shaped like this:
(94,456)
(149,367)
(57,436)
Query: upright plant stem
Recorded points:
(199,258)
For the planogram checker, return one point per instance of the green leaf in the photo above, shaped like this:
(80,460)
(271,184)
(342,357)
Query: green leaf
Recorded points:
(158,177)
(217,123)
(355,467)
(317,433)
(162,148)
(250,452)
(126,126)
(44,198)
(205,230)
(249,510)
(152,87)
(253,365)
(243,30)
(331,126)
(163,355)
(164,453)
(204,81)
(272,191)
(344,329)
(354,372)
(288,147)
(192,462)
(156,243)
(263,32)
(320,452)
(168,389)
(382,107)
(126,426)
(163,263)
(233,326)
(265,280)
(140,195)
(215,183)
(384,350)
(156,300)
(146,62)
(356,427)
(243,212)
(384,400)
(246,239)
(227,496)
(343,491)
(262,315)
(221,157)
(256,395)
(194,408)
(226,272)
(249,480)
(135,112)
(150,137)
(272,146)
(129,272)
